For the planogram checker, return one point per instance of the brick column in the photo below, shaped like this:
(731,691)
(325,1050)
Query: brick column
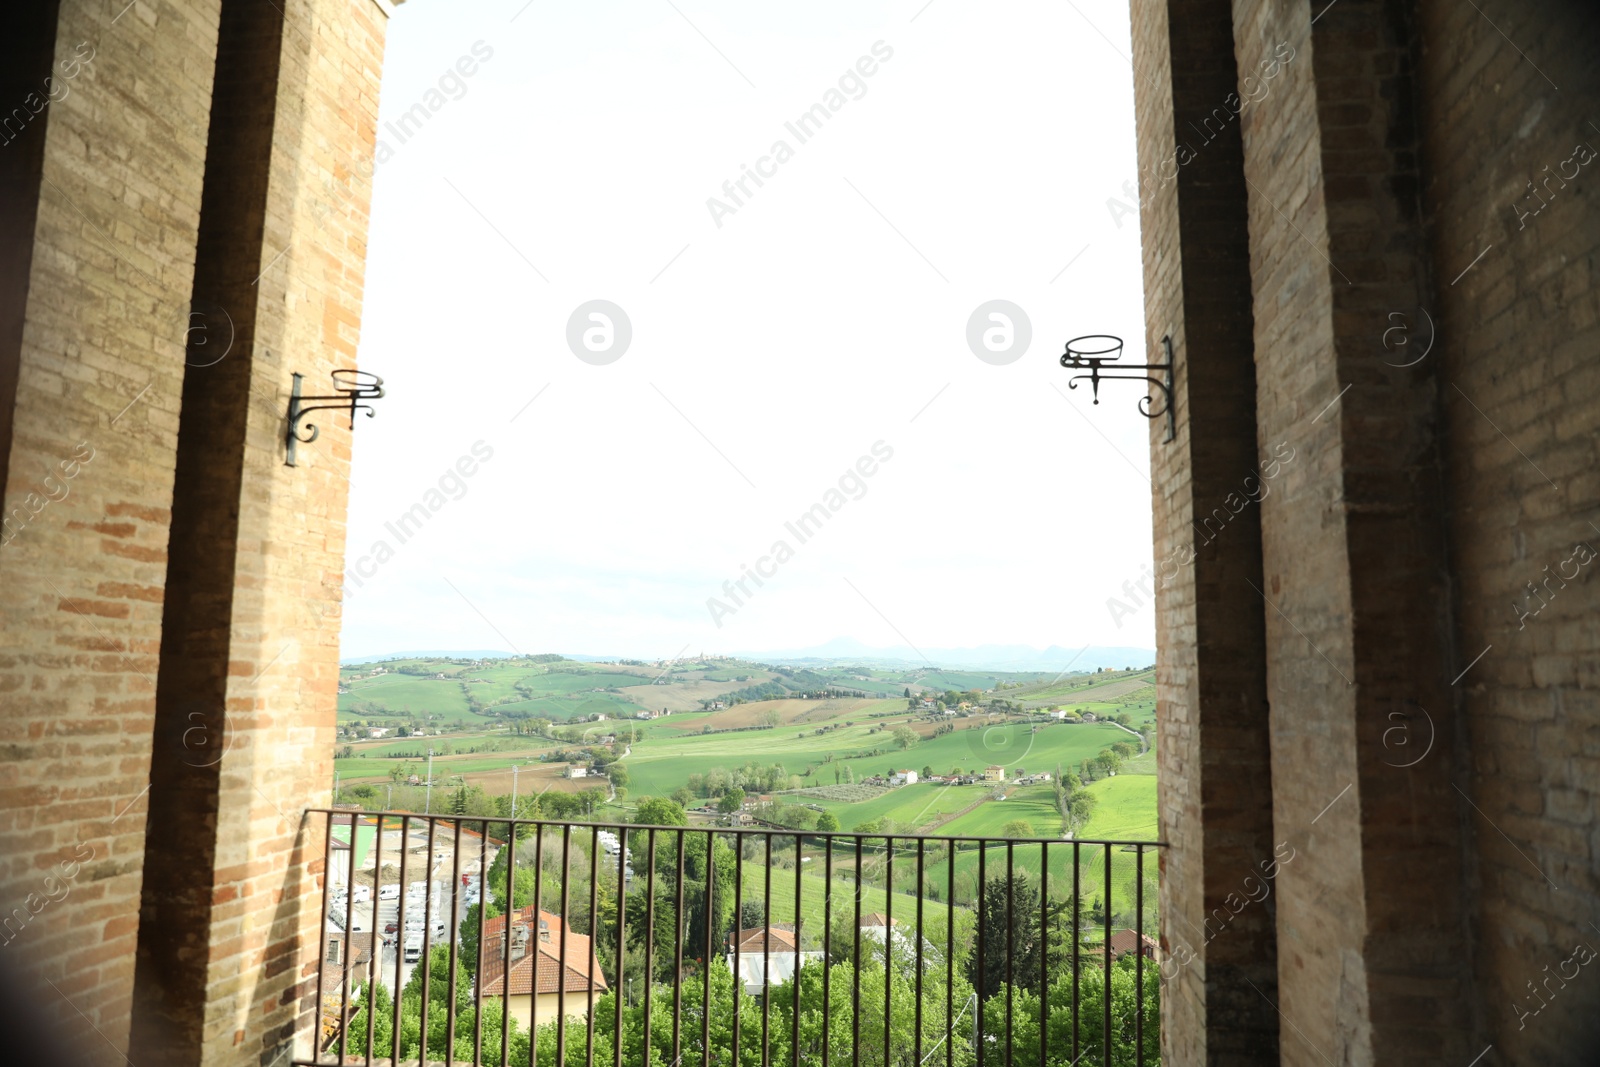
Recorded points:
(101,171)
(1515,234)
(1216,782)
(1371,913)
(249,659)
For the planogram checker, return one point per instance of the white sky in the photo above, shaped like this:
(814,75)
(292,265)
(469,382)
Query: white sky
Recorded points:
(793,337)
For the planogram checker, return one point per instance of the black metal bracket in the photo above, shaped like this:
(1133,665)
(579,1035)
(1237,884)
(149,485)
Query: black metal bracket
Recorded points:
(351,386)
(1095,351)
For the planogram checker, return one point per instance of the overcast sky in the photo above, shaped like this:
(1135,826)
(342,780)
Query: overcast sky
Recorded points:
(777,336)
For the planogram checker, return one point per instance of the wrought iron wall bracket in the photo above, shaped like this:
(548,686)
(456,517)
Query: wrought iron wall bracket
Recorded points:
(1095,352)
(351,386)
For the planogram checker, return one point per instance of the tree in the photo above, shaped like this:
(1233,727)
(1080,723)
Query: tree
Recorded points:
(769,717)
(1010,917)
(682,797)
(752,915)
(827,822)
(656,811)
(434,982)
(927,770)
(619,775)
(731,801)
(908,692)
(1080,806)
(905,737)
(1017,828)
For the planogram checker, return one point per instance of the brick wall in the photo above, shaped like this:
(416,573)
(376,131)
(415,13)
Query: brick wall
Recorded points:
(1441,408)
(1215,801)
(88,489)
(252,624)
(1519,380)
(117,471)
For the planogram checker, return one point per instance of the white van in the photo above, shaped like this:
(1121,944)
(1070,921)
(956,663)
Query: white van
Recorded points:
(390,892)
(413,948)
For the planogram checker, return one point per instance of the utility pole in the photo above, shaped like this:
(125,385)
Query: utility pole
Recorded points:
(388,805)
(513,790)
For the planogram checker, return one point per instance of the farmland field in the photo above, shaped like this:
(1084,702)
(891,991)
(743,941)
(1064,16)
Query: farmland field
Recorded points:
(821,741)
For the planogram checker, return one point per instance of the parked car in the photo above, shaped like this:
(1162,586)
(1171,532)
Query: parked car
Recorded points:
(413,951)
(362,894)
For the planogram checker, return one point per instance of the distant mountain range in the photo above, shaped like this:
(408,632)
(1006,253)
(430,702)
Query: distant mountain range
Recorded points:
(983,657)
(849,650)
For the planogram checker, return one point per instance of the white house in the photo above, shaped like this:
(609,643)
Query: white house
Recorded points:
(905,777)
(577,772)
(378,731)
(876,926)
(775,946)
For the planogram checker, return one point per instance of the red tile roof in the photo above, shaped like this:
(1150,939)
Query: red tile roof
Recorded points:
(1123,942)
(751,940)
(878,918)
(539,969)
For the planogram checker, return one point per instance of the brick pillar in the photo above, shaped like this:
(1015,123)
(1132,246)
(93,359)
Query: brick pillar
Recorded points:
(1515,234)
(101,202)
(1371,910)
(1216,782)
(249,659)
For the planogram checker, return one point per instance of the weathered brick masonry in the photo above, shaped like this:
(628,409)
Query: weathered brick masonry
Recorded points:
(1370,231)
(171,588)
(1442,410)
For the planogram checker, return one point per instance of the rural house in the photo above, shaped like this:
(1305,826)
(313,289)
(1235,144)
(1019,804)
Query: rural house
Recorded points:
(534,981)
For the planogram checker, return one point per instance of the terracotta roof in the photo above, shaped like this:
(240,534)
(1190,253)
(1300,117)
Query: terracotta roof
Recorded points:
(878,918)
(751,940)
(1123,942)
(539,969)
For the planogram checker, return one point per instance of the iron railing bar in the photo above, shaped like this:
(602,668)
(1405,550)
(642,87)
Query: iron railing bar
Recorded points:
(400,932)
(1105,993)
(980,959)
(1011,942)
(855,972)
(827,946)
(649,943)
(483,910)
(799,899)
(427,936)
(917,1033)
(1077,938)
(738,831)
(738,941)
(888,951)
(1138,960)
(677,960)
(324,918)
(620,993)
(349,938)
(505,975)
(561,987)
(427,948)
(705,968)
(949,959)
(594,949)
(374,957)
(538,924)
(1044,952)
(766,959)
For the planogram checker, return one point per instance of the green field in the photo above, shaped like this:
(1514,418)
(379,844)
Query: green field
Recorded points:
(663,753)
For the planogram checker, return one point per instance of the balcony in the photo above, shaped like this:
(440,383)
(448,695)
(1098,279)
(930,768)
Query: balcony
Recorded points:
(823,948)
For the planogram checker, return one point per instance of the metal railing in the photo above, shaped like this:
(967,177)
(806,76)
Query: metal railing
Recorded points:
(913,951)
